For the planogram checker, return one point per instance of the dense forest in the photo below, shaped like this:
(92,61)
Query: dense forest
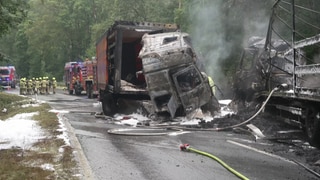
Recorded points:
(39,36)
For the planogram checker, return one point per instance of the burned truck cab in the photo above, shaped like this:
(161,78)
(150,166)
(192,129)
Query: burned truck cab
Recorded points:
(174,82)
(153,67)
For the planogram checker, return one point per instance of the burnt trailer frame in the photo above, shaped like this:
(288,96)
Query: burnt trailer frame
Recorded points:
(281,58)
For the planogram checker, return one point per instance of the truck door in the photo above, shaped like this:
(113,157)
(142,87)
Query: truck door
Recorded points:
(248,79)
(192,90)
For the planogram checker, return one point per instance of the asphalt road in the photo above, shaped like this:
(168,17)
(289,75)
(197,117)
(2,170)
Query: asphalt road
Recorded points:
(107,156)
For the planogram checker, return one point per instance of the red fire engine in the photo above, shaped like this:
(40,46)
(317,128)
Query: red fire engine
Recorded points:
(73,77)
(81,77)
(90,78)
(8,76)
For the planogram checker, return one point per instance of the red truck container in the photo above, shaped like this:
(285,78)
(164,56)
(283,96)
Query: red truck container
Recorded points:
(8,76)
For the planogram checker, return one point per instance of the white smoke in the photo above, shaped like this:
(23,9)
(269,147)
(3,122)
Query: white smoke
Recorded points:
(209,32)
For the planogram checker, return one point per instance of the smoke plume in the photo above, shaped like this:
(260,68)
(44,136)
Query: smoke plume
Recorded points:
(220,29)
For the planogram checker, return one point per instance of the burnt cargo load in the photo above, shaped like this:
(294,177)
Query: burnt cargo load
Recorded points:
(151,61)
(286,59)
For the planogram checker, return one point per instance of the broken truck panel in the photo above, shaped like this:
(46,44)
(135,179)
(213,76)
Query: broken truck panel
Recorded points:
(192,88)
(129,70)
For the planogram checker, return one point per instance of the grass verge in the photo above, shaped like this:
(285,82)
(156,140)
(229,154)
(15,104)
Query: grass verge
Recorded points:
(48,158)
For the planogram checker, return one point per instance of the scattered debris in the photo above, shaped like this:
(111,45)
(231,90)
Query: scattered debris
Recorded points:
(256,131)
(4,110)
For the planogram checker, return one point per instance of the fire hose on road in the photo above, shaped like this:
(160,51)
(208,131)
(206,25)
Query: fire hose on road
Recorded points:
(167,130)
(282,86)
(186,147)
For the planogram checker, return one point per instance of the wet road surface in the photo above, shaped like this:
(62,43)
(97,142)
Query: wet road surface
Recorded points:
(159,157)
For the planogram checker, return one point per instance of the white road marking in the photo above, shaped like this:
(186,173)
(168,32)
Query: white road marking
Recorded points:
(260,151)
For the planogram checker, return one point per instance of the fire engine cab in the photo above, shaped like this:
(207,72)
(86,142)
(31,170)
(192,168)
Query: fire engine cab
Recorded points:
(8,77)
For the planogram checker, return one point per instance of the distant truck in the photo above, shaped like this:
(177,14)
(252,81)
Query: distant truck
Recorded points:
(8,76)
(153,62)
(81,77)
(285,61)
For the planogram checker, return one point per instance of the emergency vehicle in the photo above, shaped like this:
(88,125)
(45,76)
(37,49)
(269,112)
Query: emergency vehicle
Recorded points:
(8,76)
(90,77)
(81,77)
(73,72)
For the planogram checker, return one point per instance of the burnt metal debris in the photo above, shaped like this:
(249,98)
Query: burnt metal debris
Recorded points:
(163,69)
(287,55)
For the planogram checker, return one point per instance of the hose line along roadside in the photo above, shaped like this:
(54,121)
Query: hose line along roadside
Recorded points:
(253,116)
(186,147)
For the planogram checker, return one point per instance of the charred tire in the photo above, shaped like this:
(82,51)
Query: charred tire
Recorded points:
(109,106)
(89,91)
(212,106)
(312,126)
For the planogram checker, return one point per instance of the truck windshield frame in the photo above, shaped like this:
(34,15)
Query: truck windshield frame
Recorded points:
(4,72)
(187,79)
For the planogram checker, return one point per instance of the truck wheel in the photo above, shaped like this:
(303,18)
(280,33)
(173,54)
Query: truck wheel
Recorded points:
(89,91)
(78,92)
(312,126)
(109,106)
(69,90)
(212,106)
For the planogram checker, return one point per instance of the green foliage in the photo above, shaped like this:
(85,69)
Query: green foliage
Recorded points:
(7,100)
(59,31)
(12,12)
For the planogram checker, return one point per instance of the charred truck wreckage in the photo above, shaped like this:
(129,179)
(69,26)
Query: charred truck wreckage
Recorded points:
(286,60)
(153,63)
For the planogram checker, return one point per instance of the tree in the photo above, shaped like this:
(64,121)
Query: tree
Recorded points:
(12,12)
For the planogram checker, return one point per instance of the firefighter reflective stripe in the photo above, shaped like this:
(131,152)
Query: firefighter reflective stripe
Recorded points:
(211,83)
